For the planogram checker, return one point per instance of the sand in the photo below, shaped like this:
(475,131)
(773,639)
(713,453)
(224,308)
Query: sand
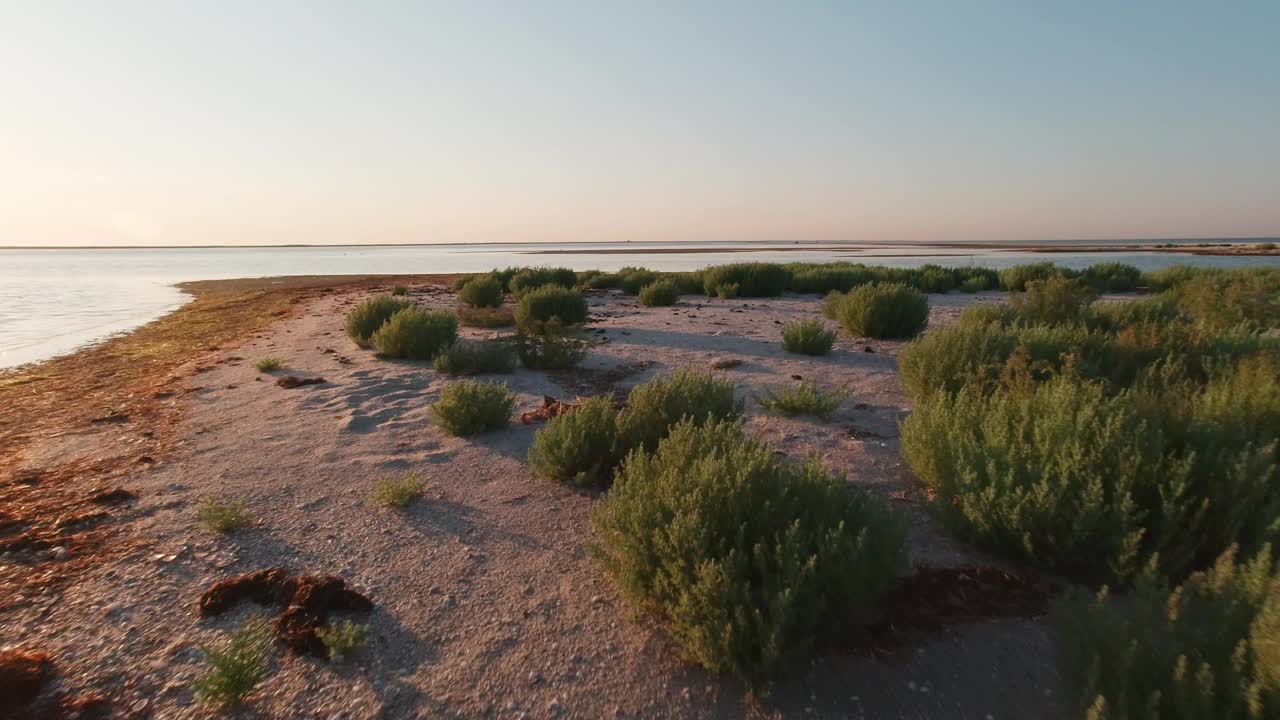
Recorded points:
(486,601)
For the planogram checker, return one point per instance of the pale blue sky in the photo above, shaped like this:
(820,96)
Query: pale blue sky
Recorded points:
(125,122)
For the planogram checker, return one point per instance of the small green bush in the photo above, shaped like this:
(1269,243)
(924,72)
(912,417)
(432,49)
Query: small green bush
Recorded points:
(655,406)
(977,279)
(1209,650)
(365,319)
(476,358)
(552,350)
(807,337)
(416,334)
(530,279)
(396,492)
(752,279)
(235,668)
(469,407)
(635,279)
(1111,277)
(746,558)
(804,398)
(933,279)
(727,291)
(660,293)
(223,516)
(486,317)
(881,310)
(974,285)
(579,447)
(604,281)
(483,291)
(537,308)
(399,290)
(269,363)
(1265,246)
(1056,300)
(343,638)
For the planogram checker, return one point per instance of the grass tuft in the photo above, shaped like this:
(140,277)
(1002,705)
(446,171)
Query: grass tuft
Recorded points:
(342,639)
(807,337)
(269,363)
(236,667)
(223,516)
(396,492)
(804,398)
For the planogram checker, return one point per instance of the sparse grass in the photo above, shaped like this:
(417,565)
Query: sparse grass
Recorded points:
(365,319)
(744,557)
(235,667)
(804,398)
(342,639)
(484,291)
(558,307)
(550,351)
(470,407)
(880,310)
(396,492)
(1208,650)
(476,358)
(399,290)
(659,294)
(652,408)
(486,317)
(807,337)
(269,363)
(727,291)
(580,447)
(223,516)
(416,334)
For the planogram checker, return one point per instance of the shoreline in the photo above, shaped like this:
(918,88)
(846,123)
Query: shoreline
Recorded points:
(1242,249)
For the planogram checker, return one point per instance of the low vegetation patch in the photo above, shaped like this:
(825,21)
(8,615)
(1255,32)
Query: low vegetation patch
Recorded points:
(342,639)
(486,317)
(365,319)
(579,447)
(269,363)
(881,310)
(633,280)
(1056,300)
(236,667)
(752,279)
(744,557)
(416,334)
(476,358)
(1015,279)
(807,337)
(804,398)
(727,291)
(660,293)
(560,307)
(552,350)
(223,516)
(469,407)
(1112,277)
(399,291)
(1209,649)
(652,408)
(484,291)
(396,492)
(530,279)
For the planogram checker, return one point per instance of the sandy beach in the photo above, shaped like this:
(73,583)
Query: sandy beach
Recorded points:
(486,602)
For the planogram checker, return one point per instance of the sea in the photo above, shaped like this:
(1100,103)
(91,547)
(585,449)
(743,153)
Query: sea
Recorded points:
(55,301)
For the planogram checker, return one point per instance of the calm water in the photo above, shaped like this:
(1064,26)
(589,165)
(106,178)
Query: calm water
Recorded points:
(54,301)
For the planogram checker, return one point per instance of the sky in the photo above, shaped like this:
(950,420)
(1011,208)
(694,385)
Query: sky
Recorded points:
(175,122)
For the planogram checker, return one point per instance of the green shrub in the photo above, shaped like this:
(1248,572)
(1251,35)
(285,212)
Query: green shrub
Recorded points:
(469,407)
(807,337)
(1231,299)
(365,319)
(269,363)
(655,406)
(483,291)
(933,279)
(223,516)
(1017,277)
(745,558)
(476,358)
(752,279)
(584,278)
(236,667)
(486,317)
(396,492)
(551,303)
(579,447)
(399,290)
(533,278)
(1265,246)
(727,291)
(416,334)
(1210,649)
(974,285)
(1056,300)
(1174,275)
(343,638)
(635,279)
(1112,277)
(660,293)
(689,283)
(977,279)
(604,281)
(881,310)
(460,282)
(552,350)
(804,399)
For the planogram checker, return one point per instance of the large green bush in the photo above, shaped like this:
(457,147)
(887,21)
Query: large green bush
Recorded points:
(529,279)
(364,319)
(1210,650)
(752,279)
(550,305)
(807,337)
(652,408)
(1056,300)
(659,294)
(633,280)
(746,558)
(416,334)
(1016,278)
(469,407)
(1231,299)
(475,358)
(1112,277)
(483,291)
(579,447)
(881,310)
